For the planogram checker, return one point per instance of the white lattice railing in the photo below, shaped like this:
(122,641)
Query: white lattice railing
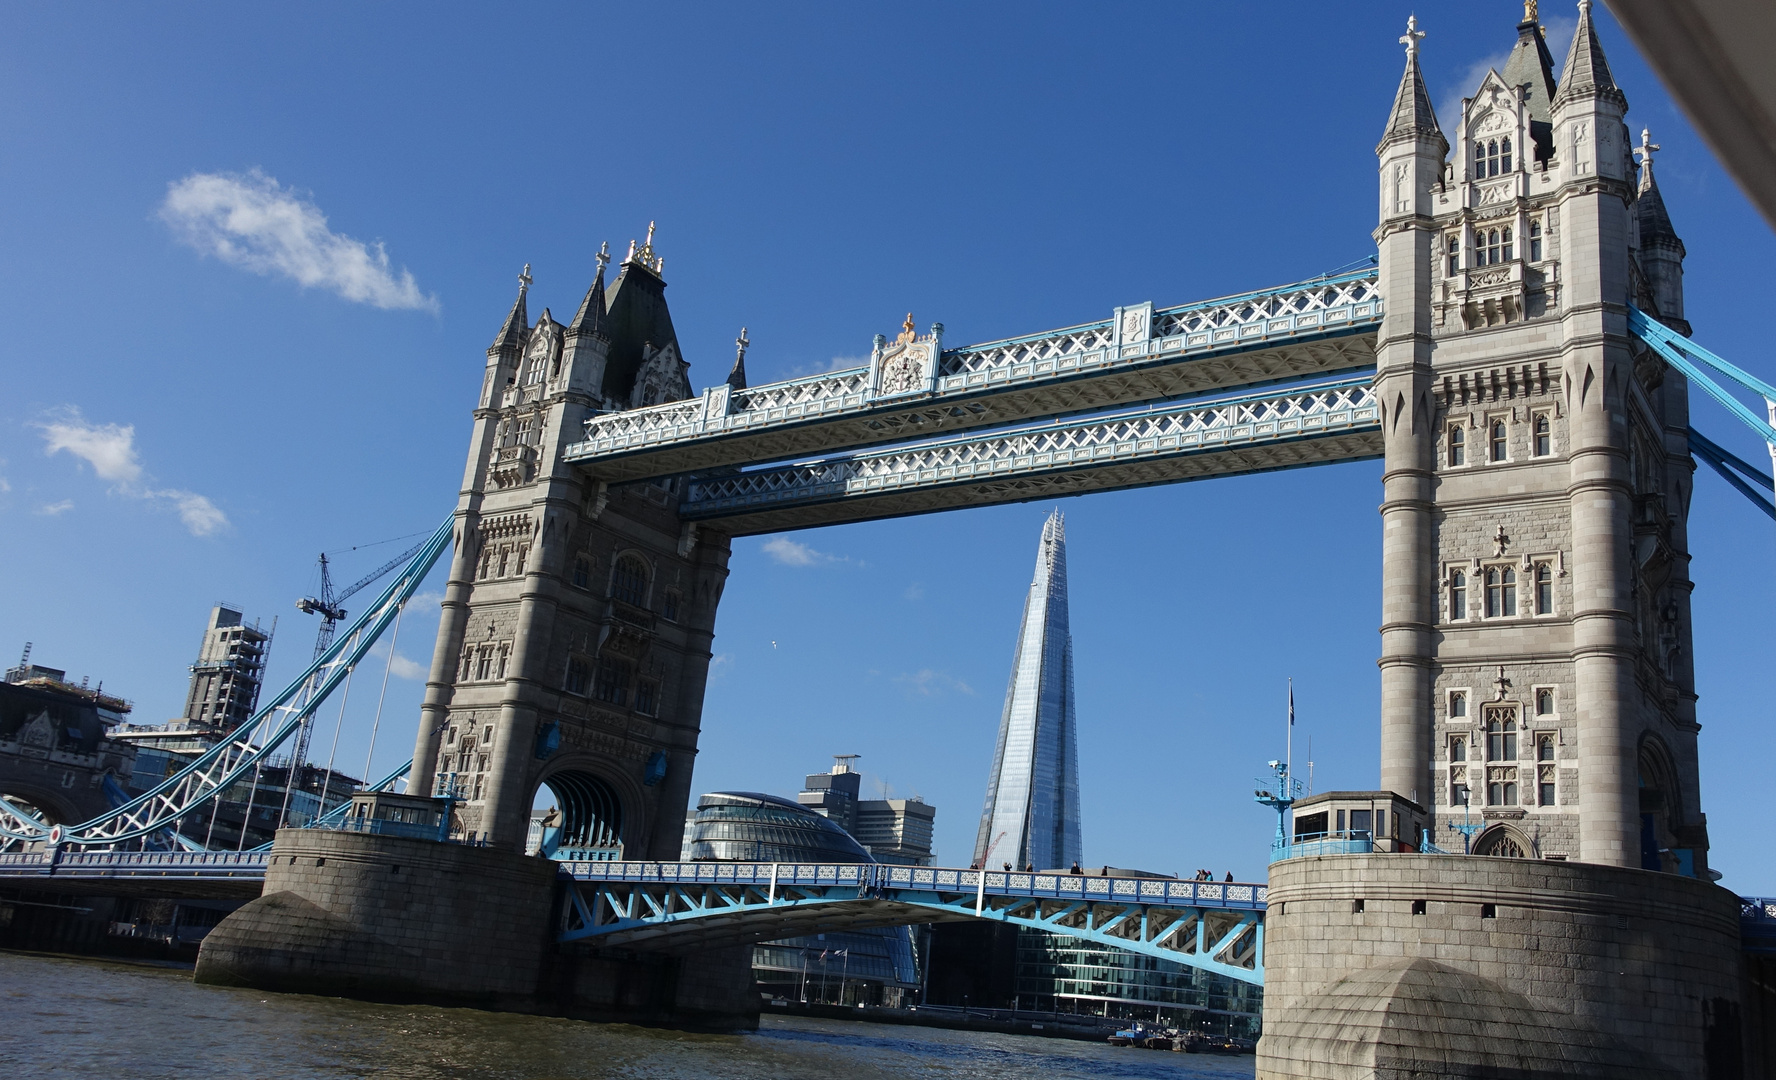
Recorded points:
(1123,438)
(1251,320)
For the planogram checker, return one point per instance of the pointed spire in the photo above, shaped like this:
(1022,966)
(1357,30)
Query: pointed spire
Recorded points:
(590,318)
(1531,65)
(511,335)
(1649,207)
(1412,113)
(737,377)
(1586,70)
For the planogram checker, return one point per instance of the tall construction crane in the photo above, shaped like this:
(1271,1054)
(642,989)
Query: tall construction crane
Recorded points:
(327,606)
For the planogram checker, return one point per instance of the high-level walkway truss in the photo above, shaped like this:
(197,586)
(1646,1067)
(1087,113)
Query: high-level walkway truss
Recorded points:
(1312,328)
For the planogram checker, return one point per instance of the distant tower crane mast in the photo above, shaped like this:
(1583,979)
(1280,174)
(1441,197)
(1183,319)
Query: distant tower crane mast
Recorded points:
(327,606)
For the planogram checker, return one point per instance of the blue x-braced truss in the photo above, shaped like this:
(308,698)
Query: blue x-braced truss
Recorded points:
(233,759)
(1211,926)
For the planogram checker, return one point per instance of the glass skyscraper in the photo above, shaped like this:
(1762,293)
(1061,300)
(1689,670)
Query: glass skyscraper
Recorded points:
(1031,816)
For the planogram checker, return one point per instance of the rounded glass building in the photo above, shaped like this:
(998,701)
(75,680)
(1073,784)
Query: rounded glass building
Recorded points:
(873,967)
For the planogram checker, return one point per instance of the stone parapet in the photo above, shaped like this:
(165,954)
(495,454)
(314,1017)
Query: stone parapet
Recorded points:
(1467,966)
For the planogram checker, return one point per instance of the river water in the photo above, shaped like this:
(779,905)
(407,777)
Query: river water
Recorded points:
(92,1018)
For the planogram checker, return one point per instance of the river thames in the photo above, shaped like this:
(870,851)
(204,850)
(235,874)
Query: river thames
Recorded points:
(86,1018)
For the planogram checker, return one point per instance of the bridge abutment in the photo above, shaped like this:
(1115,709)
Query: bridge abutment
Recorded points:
(388,918)
(1469,966)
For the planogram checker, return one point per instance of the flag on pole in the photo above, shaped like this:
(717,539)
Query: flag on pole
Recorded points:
(1291,702)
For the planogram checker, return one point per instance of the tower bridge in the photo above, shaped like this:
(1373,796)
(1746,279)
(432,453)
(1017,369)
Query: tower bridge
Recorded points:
(1519,360)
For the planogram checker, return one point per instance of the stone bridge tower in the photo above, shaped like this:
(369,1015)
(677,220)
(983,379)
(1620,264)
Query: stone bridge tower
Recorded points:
(1536,630)
(577,620)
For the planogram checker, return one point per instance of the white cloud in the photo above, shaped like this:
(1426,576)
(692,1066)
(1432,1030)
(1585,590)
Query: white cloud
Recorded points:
(251,221)
(4,486)
(404,668)
(109,448)
(915,591)
(56,509)
(790,553)
(929,683)
(428,602)
(201,516)
(111,451)
(837,363)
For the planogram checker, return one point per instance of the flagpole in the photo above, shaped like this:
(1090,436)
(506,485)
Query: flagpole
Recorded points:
(1289,745)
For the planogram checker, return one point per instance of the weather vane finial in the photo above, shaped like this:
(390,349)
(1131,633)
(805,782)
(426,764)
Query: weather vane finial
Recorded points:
(908,325)
(1647,147)
(742,341)
(1412,36)
(603,255)
(524,279)
(1529,10)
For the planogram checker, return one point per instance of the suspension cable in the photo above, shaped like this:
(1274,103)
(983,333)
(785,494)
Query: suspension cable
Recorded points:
(338,726)
(390,666)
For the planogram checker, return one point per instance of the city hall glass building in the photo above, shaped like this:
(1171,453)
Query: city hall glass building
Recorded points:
(875,966)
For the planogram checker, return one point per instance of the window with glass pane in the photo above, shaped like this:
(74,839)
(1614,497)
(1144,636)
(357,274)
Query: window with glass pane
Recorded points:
(1505,158)
(1454,252)
(1545,748)
(582,573)
(1458,704)
(612,684)
(1499,444)
(1535,240)
(1457,445)
(1458,595)
(1458,749)
(576,676)
(1544,435)
(1501,737)
(647,693)
(1501,787)
(1545,796)
(670,608)
(1505,243)
(1544,590)
(629,581)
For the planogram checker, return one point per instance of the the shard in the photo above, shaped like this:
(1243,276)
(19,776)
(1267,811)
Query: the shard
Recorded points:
(1031,818)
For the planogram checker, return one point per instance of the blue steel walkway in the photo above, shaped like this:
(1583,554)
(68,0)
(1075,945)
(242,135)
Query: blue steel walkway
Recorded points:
(685,907)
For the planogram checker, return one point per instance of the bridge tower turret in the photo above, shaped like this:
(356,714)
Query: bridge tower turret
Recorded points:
(1535,631)
(1411,157)
(578,617)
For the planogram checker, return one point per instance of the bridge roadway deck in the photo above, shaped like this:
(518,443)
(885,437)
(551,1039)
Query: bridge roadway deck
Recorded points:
(181,874)
(685,907)
(1318,425)
(1304,330)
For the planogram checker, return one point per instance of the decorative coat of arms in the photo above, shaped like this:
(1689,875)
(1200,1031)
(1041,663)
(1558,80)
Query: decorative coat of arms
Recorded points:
(907,364)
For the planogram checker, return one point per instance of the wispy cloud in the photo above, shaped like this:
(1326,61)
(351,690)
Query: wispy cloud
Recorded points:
(109,448)
(837,363)
(1557,31)
(56,509)
(427,602)
(915,591)
(927,682)
(251,221)
(111,451)
(791,553)
(404,668)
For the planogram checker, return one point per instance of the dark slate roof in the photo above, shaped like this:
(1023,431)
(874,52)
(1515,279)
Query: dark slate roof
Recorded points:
(1412,113)
(1586,70)
(1532,65)
(591,316)
(737,376)
(511,335)
(1649,208)
(637,316)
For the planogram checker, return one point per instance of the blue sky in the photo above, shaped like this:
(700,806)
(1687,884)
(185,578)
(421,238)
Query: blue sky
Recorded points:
(180,427)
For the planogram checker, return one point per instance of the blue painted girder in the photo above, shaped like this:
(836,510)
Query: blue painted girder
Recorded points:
(1210,926)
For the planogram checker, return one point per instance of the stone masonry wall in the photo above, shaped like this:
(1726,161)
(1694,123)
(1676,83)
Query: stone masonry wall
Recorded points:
(1452,966)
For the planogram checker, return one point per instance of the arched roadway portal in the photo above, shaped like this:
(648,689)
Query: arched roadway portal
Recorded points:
(586,823)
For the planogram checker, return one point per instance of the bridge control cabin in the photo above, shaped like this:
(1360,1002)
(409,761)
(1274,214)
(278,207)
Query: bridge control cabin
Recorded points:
(386,813)
(1345,822)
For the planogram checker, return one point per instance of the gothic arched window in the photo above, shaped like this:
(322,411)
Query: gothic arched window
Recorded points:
(1499,444)
(1486,158)
(1501,592)
(1544,435)
(1544,583)
(1505,244)
(1501,738)
(1505,157)
(1454,249)
(1458,595)
(629,581)
(1535,240)
(1457,444)
(582,572)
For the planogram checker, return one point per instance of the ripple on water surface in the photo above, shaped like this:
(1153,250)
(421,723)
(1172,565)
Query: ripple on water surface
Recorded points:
(86,1018)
